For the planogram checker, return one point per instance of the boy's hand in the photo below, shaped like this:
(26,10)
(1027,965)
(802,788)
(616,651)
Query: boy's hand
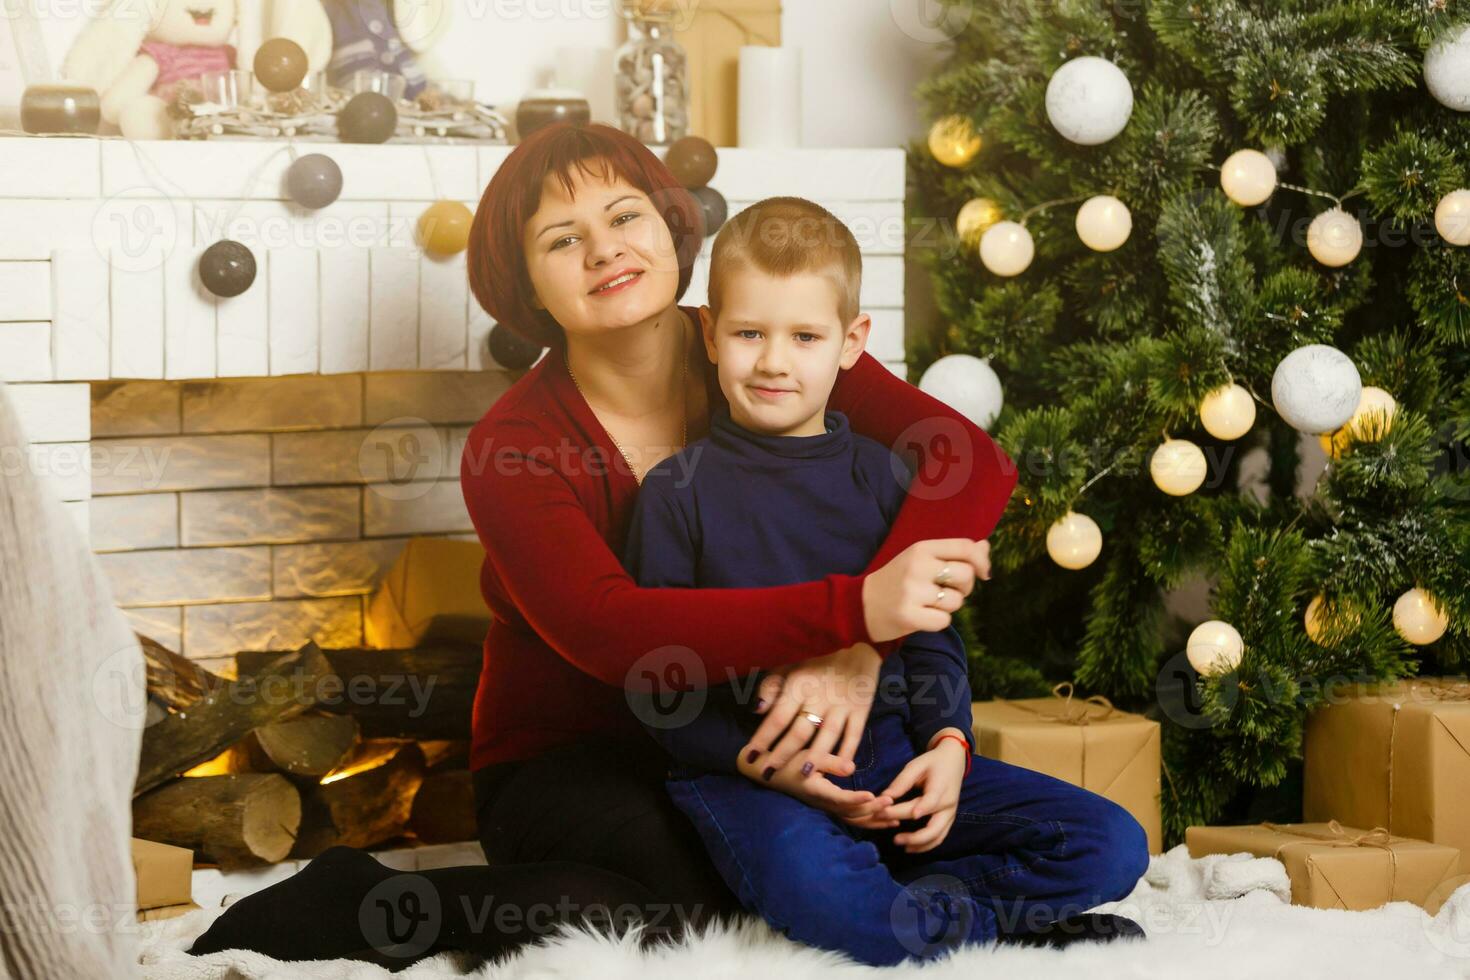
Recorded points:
(939,773)
(857,807)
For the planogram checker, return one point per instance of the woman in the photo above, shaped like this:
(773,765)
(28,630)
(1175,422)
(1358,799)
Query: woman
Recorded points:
(583,242)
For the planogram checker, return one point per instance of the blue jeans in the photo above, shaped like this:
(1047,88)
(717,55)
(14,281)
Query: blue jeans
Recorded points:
(1024,849)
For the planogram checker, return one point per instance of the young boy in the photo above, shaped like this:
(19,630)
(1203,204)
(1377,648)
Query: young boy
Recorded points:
(783,491)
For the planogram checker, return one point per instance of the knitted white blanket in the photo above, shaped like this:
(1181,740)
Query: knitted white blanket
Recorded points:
(71,679)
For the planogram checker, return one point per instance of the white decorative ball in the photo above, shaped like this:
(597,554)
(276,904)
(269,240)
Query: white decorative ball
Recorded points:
(1447,68)
(1074,541)
(1007,248)
(1228,412)
(1334,238)
(1103,223)
(1316,388)
(1089,100)
(1178,467)
(1248,177)
(1452,217)
(1214,647)
(1418,617)
(966,384)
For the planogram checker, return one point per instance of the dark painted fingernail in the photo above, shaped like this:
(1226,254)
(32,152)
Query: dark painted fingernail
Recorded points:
(752,755)
(770,771)
(806,769)
(760,704)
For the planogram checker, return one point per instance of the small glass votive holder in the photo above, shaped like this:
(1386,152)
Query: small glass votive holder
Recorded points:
(229,89)
(383,82)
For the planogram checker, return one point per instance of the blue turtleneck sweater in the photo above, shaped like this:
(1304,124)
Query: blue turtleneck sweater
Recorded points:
(743,509)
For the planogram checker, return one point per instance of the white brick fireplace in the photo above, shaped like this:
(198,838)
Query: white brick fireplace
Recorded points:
(238,463)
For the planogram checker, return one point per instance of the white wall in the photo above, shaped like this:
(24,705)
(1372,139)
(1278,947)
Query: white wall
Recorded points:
(862,58)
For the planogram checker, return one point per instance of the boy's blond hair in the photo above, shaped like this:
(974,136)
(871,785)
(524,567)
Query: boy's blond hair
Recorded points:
(783,236)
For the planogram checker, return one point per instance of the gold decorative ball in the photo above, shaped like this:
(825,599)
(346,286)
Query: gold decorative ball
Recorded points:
(974,218)
(1315,622)
(1452,217)
(444,228)
(953,140)
(1104,223)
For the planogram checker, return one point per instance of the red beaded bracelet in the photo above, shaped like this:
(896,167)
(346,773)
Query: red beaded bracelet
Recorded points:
(968,754)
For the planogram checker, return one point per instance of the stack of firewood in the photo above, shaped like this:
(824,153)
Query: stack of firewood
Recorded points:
(306,749)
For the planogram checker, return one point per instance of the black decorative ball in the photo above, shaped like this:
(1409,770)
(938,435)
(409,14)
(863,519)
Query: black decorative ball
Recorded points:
(368,117)
(715,208)
(227,268)
(511,350)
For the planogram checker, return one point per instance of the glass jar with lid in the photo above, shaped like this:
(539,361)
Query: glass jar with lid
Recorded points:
(652,74)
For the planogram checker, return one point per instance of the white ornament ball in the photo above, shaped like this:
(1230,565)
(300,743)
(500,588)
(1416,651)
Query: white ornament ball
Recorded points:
(1178,467)
(1104,223)
(1248,177)
(1418,617)
(1214,647)
(966,384)
(1452,217)
(1447,68)
(1316,388)
(1228,412)
(1089,100)
(1007,248)
(1334,238)
(1074,541)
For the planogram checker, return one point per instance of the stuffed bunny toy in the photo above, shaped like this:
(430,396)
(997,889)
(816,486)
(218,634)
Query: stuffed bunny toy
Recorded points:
(137,51)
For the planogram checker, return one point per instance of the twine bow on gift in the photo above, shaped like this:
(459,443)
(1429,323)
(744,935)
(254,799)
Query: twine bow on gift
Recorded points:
(1069,716)
(1337,836)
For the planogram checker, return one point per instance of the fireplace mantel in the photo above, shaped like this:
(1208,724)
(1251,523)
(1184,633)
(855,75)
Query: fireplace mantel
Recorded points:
(99,243)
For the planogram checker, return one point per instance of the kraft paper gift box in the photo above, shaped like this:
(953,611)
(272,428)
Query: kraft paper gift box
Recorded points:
(167,912)
(712,34)
(431,593)
(1335,867)
(1088,743)
(165,874)
(1394,755)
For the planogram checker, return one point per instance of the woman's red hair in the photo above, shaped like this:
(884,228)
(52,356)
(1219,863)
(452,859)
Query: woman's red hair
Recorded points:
(496,259)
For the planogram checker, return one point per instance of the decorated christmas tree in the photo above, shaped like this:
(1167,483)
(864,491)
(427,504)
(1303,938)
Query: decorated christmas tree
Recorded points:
(1184,247)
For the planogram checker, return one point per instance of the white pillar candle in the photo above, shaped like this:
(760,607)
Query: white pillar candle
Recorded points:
(770,96)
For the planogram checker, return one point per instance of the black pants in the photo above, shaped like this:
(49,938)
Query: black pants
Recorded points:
(602,804)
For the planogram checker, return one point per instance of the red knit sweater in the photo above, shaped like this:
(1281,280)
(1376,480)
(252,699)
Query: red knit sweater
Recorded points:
(552,512)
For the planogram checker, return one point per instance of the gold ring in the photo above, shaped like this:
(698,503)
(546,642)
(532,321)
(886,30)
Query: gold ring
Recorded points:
(939,598)
(943,577)
(815,719)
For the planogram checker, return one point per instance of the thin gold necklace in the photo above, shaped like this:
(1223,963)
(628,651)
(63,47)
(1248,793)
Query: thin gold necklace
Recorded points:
(683,388)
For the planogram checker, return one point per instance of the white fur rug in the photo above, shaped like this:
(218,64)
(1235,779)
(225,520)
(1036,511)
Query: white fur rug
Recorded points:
(1213,917)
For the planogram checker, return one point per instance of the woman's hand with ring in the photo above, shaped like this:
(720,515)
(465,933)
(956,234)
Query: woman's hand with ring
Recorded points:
(901,597)
(837,688)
